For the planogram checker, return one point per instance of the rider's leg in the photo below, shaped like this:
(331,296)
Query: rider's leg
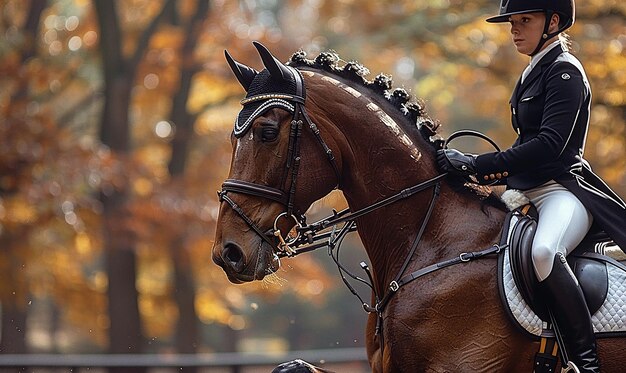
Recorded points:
(563,223)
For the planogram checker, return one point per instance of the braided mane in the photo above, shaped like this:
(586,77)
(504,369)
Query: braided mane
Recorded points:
(413,111)
(353,71)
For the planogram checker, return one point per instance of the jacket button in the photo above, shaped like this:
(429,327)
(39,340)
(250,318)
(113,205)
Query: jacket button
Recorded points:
(486,177)
(498,176)
(492,176)
(505,174)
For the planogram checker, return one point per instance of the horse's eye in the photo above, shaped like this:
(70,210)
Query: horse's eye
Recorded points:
(269,133)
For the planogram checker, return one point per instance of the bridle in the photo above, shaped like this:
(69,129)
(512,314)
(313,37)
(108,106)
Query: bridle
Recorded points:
(294,103)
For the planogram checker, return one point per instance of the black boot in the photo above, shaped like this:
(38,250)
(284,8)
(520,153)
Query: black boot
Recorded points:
(567,304)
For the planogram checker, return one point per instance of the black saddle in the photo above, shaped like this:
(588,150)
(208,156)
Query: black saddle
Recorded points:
(588,266)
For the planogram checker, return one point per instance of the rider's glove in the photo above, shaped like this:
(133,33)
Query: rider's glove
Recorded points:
(455,162)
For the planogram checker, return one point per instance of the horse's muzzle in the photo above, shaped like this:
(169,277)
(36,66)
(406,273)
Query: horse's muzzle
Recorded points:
(241,268)
(233,257)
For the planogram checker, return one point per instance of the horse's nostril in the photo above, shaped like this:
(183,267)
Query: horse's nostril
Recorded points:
(233,256)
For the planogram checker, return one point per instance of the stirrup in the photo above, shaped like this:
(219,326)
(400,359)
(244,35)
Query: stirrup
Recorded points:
(570,368)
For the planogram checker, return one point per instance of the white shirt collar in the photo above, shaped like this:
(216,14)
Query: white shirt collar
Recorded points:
(537,57)
(534,60)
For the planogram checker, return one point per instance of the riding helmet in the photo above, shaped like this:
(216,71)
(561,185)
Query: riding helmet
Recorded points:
(565,9)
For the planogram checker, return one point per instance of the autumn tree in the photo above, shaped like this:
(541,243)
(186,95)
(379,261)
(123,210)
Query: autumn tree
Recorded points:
(44,193)
(19,127)
(187,327)
(125,334)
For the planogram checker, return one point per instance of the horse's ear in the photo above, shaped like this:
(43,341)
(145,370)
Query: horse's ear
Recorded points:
(244,74)
(276,68)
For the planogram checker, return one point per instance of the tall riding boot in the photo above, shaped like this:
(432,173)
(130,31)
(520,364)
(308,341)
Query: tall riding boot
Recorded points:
(566,301)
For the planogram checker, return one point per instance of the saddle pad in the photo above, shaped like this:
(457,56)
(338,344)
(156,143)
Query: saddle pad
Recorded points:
(610,318)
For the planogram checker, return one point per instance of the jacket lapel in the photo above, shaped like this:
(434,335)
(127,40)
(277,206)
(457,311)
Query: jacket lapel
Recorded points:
(537,70)
(534,74)
(515,93)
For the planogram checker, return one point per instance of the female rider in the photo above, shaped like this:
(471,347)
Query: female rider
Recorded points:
(550,113)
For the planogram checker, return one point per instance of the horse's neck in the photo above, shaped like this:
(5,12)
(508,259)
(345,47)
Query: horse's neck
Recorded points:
(377,156)
(379,159)
(459,223)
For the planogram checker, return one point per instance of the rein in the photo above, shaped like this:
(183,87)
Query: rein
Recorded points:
(307,232)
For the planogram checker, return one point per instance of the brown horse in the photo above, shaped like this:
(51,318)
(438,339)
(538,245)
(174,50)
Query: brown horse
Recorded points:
(372,143)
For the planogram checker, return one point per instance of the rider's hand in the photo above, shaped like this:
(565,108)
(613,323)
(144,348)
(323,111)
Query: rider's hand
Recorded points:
(455,162)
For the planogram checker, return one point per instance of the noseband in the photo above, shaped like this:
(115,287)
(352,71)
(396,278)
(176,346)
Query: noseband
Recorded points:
(287,199)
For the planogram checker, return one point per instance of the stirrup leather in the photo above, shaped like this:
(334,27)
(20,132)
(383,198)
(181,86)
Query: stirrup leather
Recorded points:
(546,358)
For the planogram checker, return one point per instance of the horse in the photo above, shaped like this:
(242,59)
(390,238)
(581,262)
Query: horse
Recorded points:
(310,126)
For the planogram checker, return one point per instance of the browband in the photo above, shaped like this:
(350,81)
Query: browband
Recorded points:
(269,96)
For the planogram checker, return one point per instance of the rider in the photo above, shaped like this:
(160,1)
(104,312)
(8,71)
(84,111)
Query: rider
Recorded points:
(550,113)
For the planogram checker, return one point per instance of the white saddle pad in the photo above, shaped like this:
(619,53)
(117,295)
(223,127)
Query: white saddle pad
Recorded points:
(610,317)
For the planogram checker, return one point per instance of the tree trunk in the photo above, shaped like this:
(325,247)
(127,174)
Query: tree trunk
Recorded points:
(29,47)
(13,328)
(13,296)
(14,292)
(125,335)
(187,335)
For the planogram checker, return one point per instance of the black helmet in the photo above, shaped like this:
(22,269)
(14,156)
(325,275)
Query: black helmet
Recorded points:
(565,9)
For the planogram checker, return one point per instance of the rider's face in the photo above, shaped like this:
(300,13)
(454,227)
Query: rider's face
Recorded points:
(526,30)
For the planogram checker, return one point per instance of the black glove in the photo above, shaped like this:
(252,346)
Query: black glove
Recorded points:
(455,162)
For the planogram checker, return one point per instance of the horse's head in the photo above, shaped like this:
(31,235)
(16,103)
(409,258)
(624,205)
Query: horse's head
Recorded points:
(278,169)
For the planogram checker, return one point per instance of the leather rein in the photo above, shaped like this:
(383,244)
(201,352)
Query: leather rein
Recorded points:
(310,237)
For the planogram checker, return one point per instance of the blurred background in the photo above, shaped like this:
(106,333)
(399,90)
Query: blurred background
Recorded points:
(115,119)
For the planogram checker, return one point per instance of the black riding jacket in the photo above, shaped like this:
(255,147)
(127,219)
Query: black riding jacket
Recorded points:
(550,113)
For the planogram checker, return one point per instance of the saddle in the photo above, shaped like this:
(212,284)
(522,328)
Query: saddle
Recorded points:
(600,277)
(590,272)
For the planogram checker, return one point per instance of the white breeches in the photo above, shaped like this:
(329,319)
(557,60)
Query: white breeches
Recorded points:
(563,223)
